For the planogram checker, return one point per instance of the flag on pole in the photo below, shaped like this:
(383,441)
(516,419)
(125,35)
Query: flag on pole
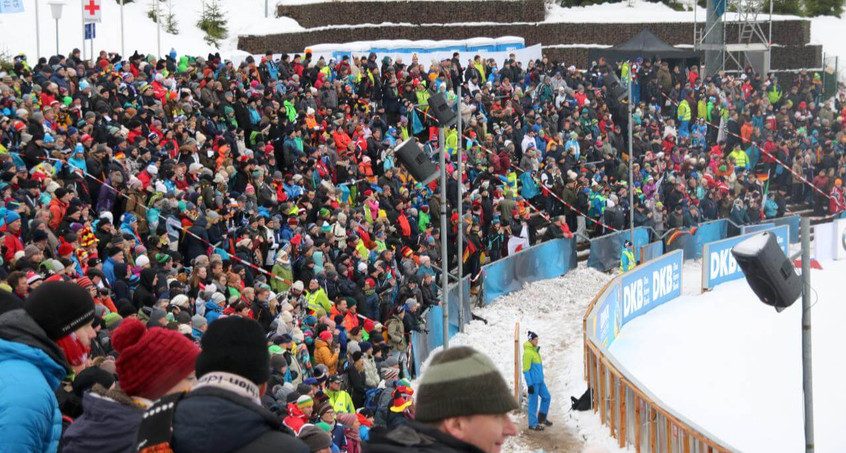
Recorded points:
(91,10)
(11,6)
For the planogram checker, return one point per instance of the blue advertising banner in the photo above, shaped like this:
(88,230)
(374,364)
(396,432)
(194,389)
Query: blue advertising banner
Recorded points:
(651,284)
(705,233)
(746,229)
(651,251)
(548,260)
(609,316)
(718,264)
(605,250)
(793,223)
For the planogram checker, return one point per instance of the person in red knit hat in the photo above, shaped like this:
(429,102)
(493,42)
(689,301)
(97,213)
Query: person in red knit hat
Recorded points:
(152,363)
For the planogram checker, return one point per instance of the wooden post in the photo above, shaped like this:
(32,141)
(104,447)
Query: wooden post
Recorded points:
(686,440)
(612,406)
(595,383)
(653,430)
(669,435)
(601,391)
(621,394)
(517,363)
(636,402)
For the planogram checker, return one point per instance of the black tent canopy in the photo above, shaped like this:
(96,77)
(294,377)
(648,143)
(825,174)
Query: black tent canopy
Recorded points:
(645,45)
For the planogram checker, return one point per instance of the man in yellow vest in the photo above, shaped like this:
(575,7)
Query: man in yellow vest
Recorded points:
(627,259)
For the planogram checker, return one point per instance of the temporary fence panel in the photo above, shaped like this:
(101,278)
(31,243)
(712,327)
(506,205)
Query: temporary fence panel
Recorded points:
(746,229)
(605,250)
(651,251)
(547,260)
(718,264)
(793,223)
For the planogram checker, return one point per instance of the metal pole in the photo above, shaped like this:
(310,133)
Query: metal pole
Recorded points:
(807,375)
(631,166)
(37,33)
(444,254)
(459,159)
(57,37)
(265,9)
(158,32)
(122,47)
(84,50)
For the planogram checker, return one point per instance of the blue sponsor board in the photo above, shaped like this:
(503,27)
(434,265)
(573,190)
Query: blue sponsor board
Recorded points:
(609,317)
(650,285)
(718,264)
(746,229)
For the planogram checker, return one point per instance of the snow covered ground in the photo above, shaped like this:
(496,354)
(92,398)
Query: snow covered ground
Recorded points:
(554,310)
(736,363)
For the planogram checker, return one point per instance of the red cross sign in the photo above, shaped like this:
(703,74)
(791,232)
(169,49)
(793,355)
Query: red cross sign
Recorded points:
(91,10)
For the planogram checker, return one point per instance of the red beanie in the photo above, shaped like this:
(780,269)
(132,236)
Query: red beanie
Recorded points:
(153,361)
(65,249)
(85,282)
(325,335)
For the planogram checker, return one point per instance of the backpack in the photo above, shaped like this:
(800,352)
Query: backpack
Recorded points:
(371,399)
(582,403)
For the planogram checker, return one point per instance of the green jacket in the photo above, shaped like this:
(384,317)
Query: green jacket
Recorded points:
(341,402)
(318,300)
(532,364)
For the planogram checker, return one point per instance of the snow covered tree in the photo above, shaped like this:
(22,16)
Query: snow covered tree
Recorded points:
(212,22)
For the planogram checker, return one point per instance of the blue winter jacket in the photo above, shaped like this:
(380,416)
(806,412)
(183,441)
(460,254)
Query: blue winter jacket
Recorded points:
(212,311)
(532,364)
(31,368)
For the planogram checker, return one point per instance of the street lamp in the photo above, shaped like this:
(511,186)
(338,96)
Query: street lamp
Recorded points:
(56,10)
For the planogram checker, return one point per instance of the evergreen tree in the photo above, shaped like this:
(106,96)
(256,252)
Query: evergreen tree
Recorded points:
(212,22)
(824,7)
(169,19)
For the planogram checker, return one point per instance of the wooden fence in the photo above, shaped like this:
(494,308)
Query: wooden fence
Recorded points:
(633,416)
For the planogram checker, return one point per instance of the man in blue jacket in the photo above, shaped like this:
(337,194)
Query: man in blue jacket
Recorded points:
(533,373)
(39,345)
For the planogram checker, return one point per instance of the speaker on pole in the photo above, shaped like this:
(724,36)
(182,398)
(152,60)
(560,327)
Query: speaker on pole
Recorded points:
(768,270)
(440,109)
(415,161)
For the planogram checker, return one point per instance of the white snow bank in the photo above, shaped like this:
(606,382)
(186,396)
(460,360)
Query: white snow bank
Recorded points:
(733,366)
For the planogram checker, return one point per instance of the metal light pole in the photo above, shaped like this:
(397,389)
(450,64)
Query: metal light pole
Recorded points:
(444,254)
(265,9)
(37,33)
(122,47)
(631,166)
(56,11)
(459,159)
(807,374)
(158,31)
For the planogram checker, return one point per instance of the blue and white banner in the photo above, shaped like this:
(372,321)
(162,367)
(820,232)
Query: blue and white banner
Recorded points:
(11,6)
(608,317)
(651,284)
(718,264)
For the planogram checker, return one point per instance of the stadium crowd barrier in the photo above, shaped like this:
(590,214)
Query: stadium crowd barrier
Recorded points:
(557,257)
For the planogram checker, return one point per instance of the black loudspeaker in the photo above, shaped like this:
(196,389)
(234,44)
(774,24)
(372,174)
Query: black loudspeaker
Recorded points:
(441,110)
(769,272)
(420,167)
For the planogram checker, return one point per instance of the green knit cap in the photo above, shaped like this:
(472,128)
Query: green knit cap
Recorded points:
(461,382)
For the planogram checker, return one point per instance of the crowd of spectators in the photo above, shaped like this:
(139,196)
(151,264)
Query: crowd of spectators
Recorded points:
(180,191)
